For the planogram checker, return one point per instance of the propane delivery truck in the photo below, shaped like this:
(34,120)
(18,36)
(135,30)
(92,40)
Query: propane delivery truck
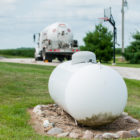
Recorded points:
(55,41)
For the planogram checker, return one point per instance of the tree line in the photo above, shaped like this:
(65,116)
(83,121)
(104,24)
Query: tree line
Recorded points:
(23,52)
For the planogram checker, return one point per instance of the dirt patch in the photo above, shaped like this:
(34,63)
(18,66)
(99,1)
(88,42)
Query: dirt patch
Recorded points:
(61,119)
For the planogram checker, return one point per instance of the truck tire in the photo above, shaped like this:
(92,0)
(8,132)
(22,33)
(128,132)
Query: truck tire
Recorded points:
(36,58)
(50,60)
(68,57)
(61,59)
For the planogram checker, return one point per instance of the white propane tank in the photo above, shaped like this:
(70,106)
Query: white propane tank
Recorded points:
(54,33)
(93,94)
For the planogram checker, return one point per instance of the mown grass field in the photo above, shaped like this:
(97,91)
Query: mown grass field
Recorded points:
(123,63)
(12,56)
(19,52)
(24,86)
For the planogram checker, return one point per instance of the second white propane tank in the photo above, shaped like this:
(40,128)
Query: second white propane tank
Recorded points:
(91,93)
(56,33)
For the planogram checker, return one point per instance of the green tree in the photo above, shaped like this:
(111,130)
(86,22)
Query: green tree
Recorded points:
(132,52)
(100,42)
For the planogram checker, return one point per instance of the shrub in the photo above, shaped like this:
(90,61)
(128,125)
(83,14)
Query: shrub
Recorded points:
(100,42)
(132,52)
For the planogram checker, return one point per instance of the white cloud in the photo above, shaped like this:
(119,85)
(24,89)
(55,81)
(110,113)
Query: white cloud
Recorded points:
(29,16)
(132,16)
(6,6)
(91,2)
(67,9)
(7,1)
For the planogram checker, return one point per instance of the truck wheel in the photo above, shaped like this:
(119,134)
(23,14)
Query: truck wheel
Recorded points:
(43,55)
(36,58)
(68,57)
(50,60)
(61,59)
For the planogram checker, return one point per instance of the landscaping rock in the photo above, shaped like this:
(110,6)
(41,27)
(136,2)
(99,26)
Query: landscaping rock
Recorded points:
(110,136)
(55,105)
(44,116)
(138,130)
(47,129)
(37,110)
(74,135)
(98,137)
(88,135)
(46,124)
(131,119)
(124,134)
(134,133)
(63,134)
(124,114)
(55,131)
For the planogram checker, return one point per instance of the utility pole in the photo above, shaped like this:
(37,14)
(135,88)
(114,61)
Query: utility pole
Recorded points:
(124,4)
(122,26)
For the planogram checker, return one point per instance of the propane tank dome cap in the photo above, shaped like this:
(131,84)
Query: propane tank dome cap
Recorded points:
(83,57)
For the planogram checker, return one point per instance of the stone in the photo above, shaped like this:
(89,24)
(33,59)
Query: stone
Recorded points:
(46,124)
(47,128)
(55,105)
(124,114)
(131,119)
(74,135)
(37,110)
(63,134)
(124,134)
(110,136)
(55,131)
(138,130)
(43,115)
(88,135)
(98,137)
(134,133)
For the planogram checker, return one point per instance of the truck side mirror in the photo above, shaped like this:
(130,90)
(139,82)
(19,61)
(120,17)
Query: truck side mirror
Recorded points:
(75,43)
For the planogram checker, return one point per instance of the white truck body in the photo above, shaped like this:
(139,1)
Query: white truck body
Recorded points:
(56,41)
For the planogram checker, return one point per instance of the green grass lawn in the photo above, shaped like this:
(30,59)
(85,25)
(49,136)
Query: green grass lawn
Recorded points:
(12,56)
(21,87)
(128,65)
(124,65)
(24,86)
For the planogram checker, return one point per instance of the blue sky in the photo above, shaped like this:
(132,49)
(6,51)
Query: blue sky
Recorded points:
(20,19)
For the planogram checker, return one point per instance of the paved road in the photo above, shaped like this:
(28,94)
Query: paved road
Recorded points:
(130,73)
(28,61)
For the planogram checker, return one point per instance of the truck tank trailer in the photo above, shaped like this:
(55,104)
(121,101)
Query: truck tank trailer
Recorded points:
(55,41)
